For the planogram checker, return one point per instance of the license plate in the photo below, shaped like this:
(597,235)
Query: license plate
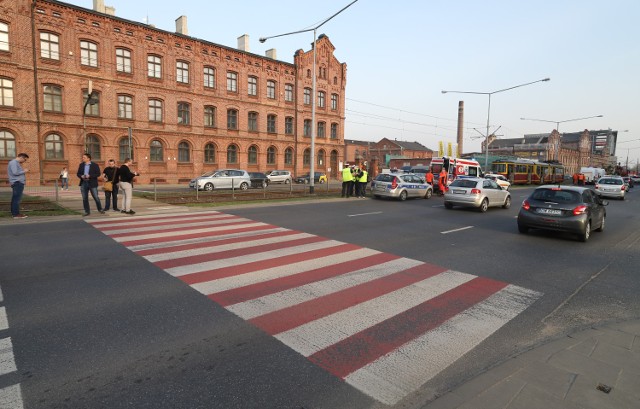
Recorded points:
(459,192)
(550,211)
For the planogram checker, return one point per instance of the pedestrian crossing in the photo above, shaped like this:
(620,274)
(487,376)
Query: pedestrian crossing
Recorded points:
(384,324)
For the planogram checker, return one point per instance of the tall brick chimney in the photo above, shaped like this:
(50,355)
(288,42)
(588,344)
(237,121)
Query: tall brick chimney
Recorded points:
(460,125)
(243,42)
(181,25)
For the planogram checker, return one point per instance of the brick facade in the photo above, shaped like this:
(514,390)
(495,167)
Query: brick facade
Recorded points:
(31,124)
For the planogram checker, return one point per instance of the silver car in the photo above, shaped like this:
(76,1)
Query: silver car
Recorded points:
(280,176)
(400,186)
(611,186)
(222,179)
(476,192)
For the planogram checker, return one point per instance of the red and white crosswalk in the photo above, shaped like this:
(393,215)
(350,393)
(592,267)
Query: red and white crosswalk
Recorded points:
(383,323)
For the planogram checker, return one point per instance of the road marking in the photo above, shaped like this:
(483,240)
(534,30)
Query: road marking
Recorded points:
(455,230)
(7,361)
(11,397)
(4,322)
(363,214)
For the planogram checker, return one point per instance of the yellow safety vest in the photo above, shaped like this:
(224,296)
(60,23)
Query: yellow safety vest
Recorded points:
(363,178)
(346,175)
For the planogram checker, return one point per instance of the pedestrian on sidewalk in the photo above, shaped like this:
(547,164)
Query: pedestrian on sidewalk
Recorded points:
(89,172)
(64,179)
(126,177)
(110,174)
(347,179)
(17,180)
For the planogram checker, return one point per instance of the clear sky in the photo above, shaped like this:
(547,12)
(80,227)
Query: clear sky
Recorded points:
(401,54)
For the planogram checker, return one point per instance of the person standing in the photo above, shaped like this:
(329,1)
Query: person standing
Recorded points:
(110,174)
(347,178)
(126,176)
(89,172)
(363,182)
(442,181)
(357,174)
(17,180)
(428,177)
(64,179)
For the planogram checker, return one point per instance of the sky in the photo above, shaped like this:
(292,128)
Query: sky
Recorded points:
(401,54)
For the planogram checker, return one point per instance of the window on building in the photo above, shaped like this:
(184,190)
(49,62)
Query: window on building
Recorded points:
(252,155)
(184,113)
(184,152)
(321,130)
(88,53)
(232,119)
(209,153)
(335,80)
(232,154)
(154,66)
(288,125)
(92,146)
(307,127)
(288,93)
(232,81)
(334,131)
(124,149)
(306,157)
(252,122)
(123,60)
(210,116)
(52,95)
(53,147)
(308,73)
(6,92)
(271,89)
(271,155)
(7,145)
(125,107)
(321,99)
(4,36)
(156,151)
(252,86)
(271,123)
(93,107)
(155,110)
(320,158)
(49,46)
(209,77)
(182,72)
(334,102)
(307,96)
(288,156)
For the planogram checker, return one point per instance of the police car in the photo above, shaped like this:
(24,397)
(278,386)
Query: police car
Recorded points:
(400,186)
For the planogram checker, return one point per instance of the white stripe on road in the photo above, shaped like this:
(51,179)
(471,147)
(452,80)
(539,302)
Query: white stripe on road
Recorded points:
(7,361)
(4,322)
(11,397)
(176,224)
(317,335)
(391,377)
(455,230)
(363,214)
(186,232)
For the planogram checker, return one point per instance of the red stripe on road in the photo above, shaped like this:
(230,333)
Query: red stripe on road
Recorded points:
(203,258)
(358,350)
(296,315)
(192,246)
(169,222)
(133,232)
(250,292)
(128,220)
(218,273)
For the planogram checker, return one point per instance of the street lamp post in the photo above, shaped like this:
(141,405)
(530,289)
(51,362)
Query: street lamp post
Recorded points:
(486,147)
(313,90)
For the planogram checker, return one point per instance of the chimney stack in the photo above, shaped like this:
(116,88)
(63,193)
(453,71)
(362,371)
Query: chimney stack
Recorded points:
(243,42)
(271,53)
(460,125)
(110,10)
(181,25)
(98,5)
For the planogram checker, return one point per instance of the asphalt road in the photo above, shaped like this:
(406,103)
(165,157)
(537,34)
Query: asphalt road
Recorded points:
(94,325)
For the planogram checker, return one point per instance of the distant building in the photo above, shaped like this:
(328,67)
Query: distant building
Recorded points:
(386,149)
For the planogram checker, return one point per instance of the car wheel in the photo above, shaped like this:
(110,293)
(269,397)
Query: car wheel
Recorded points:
(601,228)
(321,181)
(306,181)
(428,194)
(507,203)
(244,186)
(522,229)
(287,181)
(484,205)
(584,236)
(264,184)
(403,196)
(208,187)
(448,205)
(376,196)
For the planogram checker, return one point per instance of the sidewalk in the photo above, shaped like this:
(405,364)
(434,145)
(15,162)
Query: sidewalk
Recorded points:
(569,373)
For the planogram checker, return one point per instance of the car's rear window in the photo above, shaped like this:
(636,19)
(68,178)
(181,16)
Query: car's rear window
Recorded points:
(464,183)
(558,196)
(610,181)
(385,177)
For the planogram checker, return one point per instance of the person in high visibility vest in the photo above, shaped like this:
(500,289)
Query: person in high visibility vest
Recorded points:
(442,181)
(429,177)
(347,180)
(357,172)
(363,183)
(575,178)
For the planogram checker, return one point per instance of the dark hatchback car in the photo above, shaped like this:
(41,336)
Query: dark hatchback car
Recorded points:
(571,209)
(258,179)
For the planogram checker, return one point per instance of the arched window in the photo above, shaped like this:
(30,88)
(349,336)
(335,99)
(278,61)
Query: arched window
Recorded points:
(252,155)
(306,157)
(232,154)
(53,147)
(210,153)
(7,145)
(92,146)
(156,153)
(320,159)
(125,151)
(288,156)
(184,152)
(271,155)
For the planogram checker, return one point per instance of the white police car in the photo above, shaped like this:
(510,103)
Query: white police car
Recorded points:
(400,186)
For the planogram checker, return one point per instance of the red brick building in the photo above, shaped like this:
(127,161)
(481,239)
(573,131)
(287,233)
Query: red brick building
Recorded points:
(190,105)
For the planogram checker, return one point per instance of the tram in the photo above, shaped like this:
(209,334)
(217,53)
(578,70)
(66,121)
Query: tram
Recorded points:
(528,171)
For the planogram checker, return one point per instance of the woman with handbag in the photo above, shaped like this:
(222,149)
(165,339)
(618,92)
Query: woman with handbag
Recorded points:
(110,186)
(126,176)
(64,179)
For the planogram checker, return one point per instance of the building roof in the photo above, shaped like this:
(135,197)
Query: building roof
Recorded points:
(355,142)
(411,146)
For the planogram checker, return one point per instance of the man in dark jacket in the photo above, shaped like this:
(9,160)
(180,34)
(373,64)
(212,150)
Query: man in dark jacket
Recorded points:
(89,172)
(110,174)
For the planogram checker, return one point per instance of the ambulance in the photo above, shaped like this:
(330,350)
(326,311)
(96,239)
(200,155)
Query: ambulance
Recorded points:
(455,168)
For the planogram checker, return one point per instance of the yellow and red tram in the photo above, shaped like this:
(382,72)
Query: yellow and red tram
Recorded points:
(527,171)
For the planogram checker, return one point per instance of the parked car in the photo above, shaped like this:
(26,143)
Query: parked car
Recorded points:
(502,181)
(318,177)
(611,186)
(222,179)
(280,176)
(628,182)
(572,209)
(476,192)
(420,170)
(400,186)
(258,179)
(635,179)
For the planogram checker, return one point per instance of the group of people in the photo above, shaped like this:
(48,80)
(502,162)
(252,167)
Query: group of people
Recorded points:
(578,179)
(443,179)
(354,178)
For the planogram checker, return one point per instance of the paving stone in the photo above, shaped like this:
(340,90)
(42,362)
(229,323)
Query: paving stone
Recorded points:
(585,334)
(629,383)
(544,352)
(448,401)
(499,396)
(582,365)
(554,381)
(532,397)
(488,379)
(585,347)
(631,327)
(616,337)
(617,356)
(584,394)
